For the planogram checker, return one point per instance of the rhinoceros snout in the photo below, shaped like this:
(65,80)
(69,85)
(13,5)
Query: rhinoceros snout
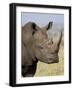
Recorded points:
(53,60)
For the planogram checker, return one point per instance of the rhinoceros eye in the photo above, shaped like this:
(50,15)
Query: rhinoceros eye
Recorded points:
(40,46)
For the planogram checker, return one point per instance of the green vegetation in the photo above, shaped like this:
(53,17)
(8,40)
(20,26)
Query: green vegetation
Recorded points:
(55,69)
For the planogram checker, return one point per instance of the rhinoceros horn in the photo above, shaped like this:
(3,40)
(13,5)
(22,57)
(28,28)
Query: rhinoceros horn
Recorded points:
(58,41)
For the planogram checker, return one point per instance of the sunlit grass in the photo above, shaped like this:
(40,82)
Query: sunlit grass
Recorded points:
(55,69)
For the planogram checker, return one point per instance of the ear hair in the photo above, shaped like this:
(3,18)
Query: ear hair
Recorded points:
(49,25)
(34,28)
(33,25)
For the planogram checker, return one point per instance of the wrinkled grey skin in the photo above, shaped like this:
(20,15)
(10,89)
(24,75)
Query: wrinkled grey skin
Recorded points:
(36,46)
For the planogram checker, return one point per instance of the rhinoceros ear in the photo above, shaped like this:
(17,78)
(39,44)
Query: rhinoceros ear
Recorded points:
(49,26)
(34,27)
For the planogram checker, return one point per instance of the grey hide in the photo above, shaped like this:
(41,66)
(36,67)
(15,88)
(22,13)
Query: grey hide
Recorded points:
(36,46)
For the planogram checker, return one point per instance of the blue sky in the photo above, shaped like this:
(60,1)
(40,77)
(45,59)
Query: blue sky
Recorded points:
(42,19)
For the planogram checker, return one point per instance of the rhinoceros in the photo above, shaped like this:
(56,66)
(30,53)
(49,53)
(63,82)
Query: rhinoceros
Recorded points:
(36,46)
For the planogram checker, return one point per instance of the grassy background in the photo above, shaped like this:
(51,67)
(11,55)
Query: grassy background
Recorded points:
(55,69)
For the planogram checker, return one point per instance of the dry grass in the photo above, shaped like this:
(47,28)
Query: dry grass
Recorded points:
(55,69)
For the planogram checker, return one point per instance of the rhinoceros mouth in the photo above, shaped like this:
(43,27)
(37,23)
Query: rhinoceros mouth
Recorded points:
(56,60)
(49,60)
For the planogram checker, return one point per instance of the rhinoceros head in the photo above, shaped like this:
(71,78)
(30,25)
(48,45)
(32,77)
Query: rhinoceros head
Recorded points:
(38,44)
